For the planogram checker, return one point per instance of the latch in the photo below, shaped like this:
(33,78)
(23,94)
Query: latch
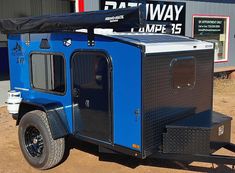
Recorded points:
(91,37)
(137,114)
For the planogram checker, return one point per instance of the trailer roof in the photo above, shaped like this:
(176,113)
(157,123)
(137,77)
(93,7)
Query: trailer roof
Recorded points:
(155,43)
(151,38)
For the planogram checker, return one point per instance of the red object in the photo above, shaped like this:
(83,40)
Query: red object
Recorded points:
(81,5)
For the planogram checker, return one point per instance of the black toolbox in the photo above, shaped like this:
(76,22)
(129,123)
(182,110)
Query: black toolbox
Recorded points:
(197,134)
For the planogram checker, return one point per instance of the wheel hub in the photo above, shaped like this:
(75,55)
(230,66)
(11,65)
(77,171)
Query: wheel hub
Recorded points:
(34,141)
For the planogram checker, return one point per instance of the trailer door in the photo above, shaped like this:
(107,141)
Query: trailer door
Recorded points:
(91,95)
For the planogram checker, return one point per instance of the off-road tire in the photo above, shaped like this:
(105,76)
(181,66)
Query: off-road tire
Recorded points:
(53,150)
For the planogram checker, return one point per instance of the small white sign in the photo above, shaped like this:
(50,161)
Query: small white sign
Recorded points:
(221,130)
(67,42)
(114,19)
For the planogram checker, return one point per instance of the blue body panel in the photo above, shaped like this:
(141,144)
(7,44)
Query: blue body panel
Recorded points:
(126,63)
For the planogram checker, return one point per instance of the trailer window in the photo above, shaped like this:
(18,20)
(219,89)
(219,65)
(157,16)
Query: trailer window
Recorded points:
(183,72)
(48,72)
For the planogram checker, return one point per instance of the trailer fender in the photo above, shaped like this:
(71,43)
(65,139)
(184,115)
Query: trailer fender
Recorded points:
(56,115)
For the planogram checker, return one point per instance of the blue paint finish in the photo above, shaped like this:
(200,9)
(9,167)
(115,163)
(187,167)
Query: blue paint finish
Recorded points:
(126,62)
(127,100)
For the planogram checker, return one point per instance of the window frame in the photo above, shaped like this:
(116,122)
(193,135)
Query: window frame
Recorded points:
(31,72)
(176,60)
(227,19)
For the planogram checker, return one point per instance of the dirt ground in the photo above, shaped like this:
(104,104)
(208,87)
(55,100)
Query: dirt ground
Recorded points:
(84,158)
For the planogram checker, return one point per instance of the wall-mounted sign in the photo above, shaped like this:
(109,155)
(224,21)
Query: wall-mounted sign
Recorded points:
(213,29)
(159,14)
(208,26)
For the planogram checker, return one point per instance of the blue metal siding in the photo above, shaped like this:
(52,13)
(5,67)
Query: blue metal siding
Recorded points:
(126,84)
(127,95)
(20,73)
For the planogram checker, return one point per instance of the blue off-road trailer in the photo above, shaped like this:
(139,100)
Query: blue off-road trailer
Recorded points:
(138,94)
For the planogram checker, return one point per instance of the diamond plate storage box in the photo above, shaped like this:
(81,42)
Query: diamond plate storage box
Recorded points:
(200,134)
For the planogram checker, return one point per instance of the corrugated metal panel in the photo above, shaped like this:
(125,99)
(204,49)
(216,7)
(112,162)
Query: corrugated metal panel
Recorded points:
(12,8)
(217,9)
(36,7)
(22,8)
(55,6)
(16,8)
(91,5)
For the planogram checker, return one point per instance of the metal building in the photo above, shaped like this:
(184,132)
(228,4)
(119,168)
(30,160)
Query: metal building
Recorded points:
(23,8)
(209,20)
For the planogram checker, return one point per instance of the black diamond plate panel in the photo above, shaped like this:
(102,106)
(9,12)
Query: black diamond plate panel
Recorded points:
(187,141)
(201,133)
(162,104)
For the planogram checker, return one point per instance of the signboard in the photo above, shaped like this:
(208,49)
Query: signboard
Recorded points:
(208,26)
(159,14)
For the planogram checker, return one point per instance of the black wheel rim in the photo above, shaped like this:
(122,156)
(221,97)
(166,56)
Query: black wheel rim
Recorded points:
(34,141)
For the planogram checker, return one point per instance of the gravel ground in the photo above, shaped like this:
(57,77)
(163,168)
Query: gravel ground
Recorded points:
(84,158)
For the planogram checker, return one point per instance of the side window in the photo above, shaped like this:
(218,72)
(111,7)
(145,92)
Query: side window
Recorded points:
(91,80)
(91,71)
(48,72)
(183,71)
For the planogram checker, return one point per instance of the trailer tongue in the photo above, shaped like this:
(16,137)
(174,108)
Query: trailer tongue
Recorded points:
(143,95)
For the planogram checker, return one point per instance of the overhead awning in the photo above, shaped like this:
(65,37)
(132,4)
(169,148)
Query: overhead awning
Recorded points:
(121,19)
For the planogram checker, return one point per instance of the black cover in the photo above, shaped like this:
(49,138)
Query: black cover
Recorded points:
(123,19)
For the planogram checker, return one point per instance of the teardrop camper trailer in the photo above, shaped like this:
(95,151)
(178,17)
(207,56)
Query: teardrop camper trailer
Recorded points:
(138,94)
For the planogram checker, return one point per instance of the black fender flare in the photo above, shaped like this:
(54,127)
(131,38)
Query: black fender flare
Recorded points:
(56,115)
